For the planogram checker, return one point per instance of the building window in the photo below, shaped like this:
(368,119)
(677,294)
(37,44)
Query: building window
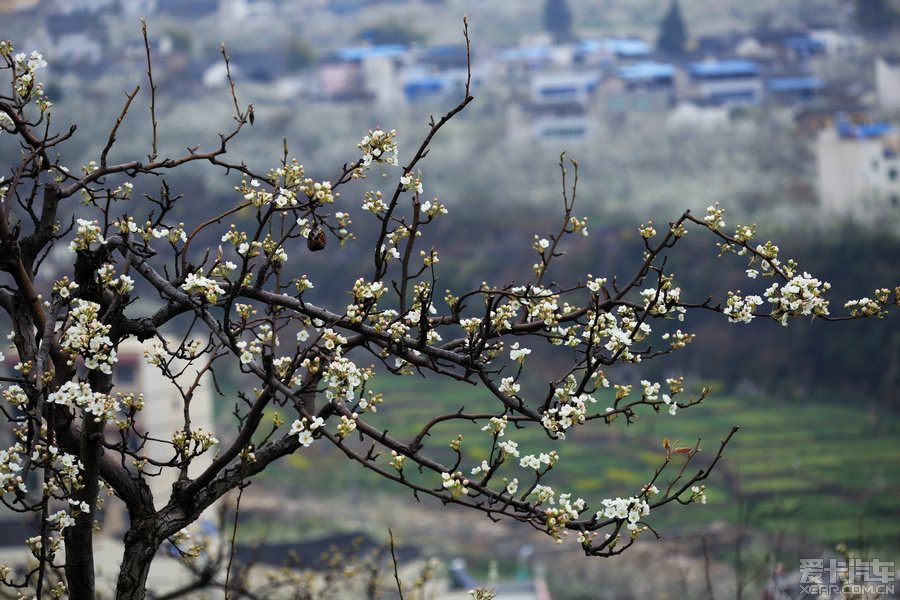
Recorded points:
(892,174)
(125,374)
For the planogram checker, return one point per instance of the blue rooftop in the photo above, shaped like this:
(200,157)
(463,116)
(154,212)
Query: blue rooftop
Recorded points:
(865,131)
(794,84)
(628,47)
(425,85)
(804,43)
(362,52)
(723,68)
(446,51)
(590,46)
(646,70)
(528,53)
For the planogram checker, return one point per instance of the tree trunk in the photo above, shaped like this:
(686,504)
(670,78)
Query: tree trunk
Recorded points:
(80,558)
(79,538)
(140,547)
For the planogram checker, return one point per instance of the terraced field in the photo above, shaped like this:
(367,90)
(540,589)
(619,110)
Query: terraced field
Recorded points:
(820,471)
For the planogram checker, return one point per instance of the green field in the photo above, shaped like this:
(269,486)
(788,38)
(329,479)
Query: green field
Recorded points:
(815,470)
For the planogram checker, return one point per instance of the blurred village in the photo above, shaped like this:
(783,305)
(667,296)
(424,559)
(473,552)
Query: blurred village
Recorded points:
(557,88)
(831,84)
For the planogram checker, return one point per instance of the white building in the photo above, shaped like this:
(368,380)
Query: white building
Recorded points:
(560,88)
(164,409)
(162,416)
(723,82)
(887,83)
(859,167)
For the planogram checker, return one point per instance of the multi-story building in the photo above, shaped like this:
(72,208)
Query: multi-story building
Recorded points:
(166,404)
(859,167)
(559,107)
(887,82)
(639,87)
(725,82)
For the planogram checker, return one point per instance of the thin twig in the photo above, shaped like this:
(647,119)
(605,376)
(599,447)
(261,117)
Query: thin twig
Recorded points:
(153,152)
(394,561)
(709,587)
(115,128)
(237,514)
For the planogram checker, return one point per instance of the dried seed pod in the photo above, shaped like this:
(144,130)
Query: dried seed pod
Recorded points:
(316,239)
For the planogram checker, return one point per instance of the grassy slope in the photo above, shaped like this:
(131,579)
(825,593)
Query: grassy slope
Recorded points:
(812,470)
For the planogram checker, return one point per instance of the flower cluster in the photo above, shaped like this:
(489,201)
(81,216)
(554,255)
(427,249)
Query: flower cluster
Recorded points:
(801,295)
(107,275)
(530,461)
(411,183)
(594,284)
(196,283)
(867,307)
(566,510)
(497,426)
(568,410)
(509,386)
(87,336)
(433,209)
(26,84)
(715,217)
(64,288)
(374,202)
(379,146)
(347,425)
(194,442)
(631,509)
(80,394)
(577,225)
(679,339)
(543,494)
(87,233)
(484,467)
(455,483)
(397,460)
(651,393)
(647,231)
(740,309)
(364,291)
(698,494)
(343,379)
(518,354)
(60,520)
(540,303)
(744,233)
(303,429)
(248,350)
(11,469)
(540,244)
(318,192)
(470,325)
(664,301)
(619,334)
(254,193)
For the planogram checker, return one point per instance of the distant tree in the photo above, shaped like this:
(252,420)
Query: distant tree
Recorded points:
(300,55)
(392,32)
(231,280)
(673,33)
(558,20)
(876,15)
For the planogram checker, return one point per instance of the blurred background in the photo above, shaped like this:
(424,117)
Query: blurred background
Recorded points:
(785,112)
